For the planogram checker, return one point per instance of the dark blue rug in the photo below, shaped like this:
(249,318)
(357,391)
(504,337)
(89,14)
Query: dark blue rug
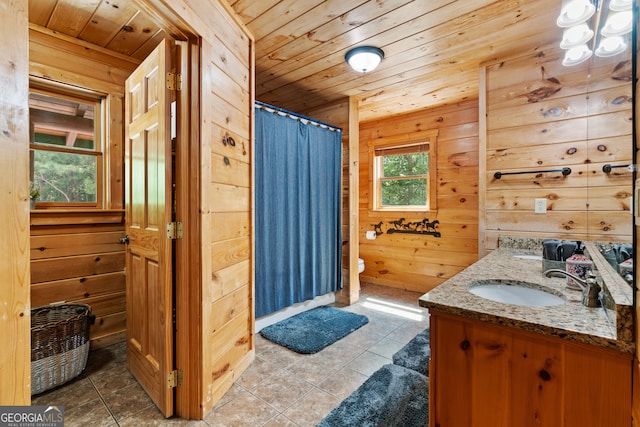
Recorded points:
(415,355)
(392,397)
(313,330)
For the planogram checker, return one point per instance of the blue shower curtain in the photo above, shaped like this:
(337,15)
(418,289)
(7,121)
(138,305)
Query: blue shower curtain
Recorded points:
(297,219)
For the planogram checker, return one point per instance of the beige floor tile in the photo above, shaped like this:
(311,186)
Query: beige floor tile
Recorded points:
(343,383)
(74,393)
(259,370)
(406,333)
(282,389)
(397,294)
(312,408)
(128,401)
(231,394)
(364,337)
(387,347)
(112,380)
(367,363)
(383,324)
(93,413)
(314,368)
(284,357)
(281,421)
(112,357)
(244,410)
(341,352)
(151,417)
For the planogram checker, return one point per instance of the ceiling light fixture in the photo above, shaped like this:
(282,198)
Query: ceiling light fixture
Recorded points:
(575,12)
(575,36)
(364,58)
(574,19)
(611,46)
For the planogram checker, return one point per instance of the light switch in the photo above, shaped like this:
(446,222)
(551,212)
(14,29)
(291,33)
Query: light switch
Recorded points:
(540,206)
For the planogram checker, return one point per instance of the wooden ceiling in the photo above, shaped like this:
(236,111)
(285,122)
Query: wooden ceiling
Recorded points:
(116,25)
(432,47)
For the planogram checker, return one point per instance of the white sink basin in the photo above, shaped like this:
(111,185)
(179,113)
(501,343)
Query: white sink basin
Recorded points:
(518,293)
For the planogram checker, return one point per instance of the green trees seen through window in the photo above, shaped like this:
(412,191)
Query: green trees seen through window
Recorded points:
(65,177)
(404,179)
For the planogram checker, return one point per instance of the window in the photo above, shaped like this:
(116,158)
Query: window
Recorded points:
(402,176)
(66,149)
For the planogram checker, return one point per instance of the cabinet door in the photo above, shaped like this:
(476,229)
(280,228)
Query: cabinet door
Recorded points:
(484,374)
(470,382)
(598,386)
(537,378)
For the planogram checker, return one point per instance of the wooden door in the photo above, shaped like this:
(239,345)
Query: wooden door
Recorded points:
(148,211)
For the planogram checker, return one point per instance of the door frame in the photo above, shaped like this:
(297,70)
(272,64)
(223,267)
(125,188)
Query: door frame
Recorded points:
(188,289)
(188,266)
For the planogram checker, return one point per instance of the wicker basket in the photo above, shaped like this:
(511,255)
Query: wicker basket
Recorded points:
(59,344)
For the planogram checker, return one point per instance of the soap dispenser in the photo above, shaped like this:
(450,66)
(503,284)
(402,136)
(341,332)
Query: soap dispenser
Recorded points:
(578,264)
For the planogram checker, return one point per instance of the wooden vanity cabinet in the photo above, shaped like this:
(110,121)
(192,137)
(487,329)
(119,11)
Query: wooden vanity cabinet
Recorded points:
(484,374)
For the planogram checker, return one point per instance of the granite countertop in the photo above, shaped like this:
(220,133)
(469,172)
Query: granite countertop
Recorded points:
(572,320)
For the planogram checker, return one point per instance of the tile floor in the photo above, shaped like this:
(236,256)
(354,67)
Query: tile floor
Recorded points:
(280,388)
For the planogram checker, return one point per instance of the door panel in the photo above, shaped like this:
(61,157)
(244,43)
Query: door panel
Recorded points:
(148,210)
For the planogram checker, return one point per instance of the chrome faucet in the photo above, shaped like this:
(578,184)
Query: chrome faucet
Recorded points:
(590,287)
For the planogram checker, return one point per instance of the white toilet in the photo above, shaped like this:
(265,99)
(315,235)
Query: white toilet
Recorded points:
(360,265)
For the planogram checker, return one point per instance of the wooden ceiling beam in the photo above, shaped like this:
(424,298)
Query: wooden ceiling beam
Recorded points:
(60,122)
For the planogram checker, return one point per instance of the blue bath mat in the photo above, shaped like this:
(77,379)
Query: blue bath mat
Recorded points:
(393,396)
(416,354)
(313,330)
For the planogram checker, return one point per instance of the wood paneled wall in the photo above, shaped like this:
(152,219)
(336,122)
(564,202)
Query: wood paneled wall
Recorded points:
(15,315)
(76,256)
(418,262)
(219,301)
(542,115)
(84,264)
(226,197)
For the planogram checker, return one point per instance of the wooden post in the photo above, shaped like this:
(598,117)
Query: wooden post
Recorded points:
(350,293)
(15,313)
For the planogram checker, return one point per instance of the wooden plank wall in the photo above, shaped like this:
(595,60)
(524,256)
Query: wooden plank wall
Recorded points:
(15,318)
(77,257)
(542,115)
(226,196)
(416,262)
(224,322)
(83,264)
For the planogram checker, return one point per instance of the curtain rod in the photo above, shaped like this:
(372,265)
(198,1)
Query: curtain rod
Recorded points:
(295,116)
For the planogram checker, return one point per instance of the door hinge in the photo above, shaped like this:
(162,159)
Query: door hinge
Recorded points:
(174,81)
(174,379)
(174,230)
